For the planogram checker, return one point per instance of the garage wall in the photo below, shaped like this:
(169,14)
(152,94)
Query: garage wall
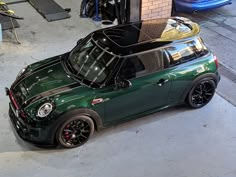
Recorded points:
(155,9)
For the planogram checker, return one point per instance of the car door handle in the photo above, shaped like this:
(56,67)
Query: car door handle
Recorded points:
(161,82)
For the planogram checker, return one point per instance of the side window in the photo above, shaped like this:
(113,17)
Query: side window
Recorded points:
(201,49)
(141,65)
(187,51)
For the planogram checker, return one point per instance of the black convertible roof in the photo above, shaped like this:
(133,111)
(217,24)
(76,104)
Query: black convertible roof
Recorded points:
(145,35)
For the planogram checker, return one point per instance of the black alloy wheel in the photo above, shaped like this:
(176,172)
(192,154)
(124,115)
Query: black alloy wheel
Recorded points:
(201,93)
(75,131)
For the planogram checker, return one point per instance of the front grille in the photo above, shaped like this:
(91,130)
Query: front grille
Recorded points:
(20,128)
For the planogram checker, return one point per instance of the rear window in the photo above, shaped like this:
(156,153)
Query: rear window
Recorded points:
(187,51)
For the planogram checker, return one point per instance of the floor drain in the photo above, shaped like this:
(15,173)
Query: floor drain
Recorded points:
(227,73)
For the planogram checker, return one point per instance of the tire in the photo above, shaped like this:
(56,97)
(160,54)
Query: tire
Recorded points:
(201,93)
(75,131)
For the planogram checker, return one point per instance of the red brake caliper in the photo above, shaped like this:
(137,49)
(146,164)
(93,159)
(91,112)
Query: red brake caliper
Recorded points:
(66,134)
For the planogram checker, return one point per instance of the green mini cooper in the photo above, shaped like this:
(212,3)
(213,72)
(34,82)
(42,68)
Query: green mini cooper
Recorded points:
(113,75)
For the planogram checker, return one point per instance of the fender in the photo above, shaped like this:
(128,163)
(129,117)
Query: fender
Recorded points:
(81,111)
(211,76)
(98,123)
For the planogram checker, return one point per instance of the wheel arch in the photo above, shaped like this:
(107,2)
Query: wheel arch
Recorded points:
(211,76)
(98,123)
(97,120)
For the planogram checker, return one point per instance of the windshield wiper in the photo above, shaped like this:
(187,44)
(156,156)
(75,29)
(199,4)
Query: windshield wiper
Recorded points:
(70,67)
(73,71)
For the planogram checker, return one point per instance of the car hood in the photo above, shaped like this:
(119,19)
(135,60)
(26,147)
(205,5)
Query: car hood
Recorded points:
(42,79)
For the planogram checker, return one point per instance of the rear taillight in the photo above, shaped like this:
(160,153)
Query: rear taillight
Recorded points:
(216,62)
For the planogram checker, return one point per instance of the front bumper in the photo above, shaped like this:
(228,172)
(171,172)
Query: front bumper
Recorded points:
(183,6)
(28,129)
(35,135)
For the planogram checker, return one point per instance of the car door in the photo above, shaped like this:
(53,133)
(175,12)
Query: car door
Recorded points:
(150,85)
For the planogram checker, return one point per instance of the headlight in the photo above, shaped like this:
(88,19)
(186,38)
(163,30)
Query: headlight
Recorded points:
(45,110)
(21,72)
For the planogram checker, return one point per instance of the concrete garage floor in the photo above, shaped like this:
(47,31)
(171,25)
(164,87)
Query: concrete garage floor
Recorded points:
(176,142)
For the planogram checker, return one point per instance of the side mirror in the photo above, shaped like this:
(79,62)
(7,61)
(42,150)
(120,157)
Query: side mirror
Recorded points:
(122,84)
(79,41)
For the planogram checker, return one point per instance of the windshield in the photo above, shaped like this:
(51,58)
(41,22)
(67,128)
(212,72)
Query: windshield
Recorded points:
(90,63)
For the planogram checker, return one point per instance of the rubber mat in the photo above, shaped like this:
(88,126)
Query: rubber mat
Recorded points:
(6,23)
(49,9)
